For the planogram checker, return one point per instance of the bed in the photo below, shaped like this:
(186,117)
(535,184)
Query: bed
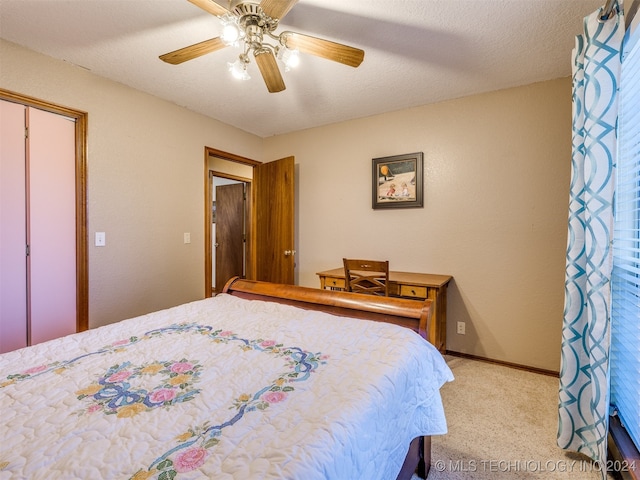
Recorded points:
(263,381)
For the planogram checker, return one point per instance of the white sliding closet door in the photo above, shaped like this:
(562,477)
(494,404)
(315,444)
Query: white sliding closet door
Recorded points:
(38,226)
(13,228)
(52,225)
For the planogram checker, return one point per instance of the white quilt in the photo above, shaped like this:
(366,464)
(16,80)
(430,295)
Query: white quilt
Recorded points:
(221,388)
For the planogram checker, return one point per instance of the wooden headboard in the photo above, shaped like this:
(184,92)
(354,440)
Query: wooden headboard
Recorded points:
(413,314)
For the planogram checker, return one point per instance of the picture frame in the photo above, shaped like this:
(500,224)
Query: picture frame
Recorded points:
(398,181)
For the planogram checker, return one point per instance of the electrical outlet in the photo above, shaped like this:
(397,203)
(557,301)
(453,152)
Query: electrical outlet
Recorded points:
(461,328)
(187,238)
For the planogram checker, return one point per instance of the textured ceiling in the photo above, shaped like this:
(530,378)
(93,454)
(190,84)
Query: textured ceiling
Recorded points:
(417,52)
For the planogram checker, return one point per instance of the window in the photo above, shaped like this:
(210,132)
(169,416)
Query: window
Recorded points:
(625,315)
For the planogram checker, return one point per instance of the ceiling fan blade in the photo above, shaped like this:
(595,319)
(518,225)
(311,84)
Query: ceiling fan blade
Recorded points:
(210,6)
(266,61)
(193,51)
(277,8)
(324,48)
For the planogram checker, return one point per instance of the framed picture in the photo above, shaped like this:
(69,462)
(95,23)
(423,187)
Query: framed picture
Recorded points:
(398,181)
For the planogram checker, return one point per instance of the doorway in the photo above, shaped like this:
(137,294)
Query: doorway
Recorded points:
(229,228)
(232,255)
(269,216)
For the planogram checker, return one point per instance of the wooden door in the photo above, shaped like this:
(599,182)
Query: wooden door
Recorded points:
(274,221)
(230,234)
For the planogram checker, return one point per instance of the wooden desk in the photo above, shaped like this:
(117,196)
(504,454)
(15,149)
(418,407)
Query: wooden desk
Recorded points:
(408,285)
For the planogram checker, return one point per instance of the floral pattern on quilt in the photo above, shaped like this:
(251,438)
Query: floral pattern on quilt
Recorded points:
(115,393)
(193,445)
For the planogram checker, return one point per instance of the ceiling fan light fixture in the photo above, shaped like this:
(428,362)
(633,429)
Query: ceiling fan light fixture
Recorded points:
(247,24)
(231,32)
(289,57)
(239,69)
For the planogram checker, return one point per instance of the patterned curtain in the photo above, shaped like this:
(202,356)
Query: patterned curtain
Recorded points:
(584,376)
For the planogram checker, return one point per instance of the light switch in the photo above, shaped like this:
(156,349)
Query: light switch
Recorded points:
(187,238)
(101,239)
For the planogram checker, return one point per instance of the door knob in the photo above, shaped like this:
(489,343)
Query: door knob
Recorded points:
(289,252)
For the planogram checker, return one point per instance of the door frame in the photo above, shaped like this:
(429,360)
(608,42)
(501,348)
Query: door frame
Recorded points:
(80,119)
(208,269)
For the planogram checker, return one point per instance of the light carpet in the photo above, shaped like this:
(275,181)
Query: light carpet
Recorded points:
(502,425)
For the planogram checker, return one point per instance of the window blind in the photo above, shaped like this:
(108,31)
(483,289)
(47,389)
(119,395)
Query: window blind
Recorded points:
(625,313)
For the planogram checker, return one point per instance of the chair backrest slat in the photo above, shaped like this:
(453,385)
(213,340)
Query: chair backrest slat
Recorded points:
(366,276)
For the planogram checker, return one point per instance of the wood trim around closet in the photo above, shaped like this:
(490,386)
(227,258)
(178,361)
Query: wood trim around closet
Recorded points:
(82,269)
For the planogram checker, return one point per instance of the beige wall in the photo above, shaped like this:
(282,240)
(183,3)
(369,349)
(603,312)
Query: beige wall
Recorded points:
(497,170)
(145,183)
(496,189)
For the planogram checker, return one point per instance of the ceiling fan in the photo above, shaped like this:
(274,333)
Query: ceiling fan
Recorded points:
(249,23)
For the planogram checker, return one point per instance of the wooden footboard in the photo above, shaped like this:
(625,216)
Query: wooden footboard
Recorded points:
(414,314)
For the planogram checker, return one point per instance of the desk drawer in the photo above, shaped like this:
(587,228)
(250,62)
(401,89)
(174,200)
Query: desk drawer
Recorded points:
(413,291)
(334,283)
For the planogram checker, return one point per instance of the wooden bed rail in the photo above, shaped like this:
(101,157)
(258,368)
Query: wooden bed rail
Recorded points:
(414,314)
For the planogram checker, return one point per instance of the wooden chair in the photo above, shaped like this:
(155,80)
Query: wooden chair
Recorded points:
(366,276)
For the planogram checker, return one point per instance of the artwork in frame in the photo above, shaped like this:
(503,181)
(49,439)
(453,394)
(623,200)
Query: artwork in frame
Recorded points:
(398,181)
